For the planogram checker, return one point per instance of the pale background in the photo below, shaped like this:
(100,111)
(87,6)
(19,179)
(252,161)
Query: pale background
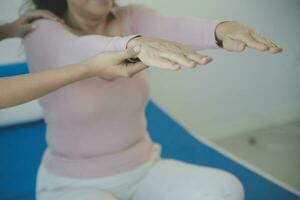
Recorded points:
(237,95)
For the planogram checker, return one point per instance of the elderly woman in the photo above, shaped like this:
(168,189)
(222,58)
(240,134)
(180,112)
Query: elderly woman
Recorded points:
(98,144)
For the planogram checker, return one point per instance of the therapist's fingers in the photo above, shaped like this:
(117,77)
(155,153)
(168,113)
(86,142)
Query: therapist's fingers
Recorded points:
(124,68)
(130,69)
(127,70)
(131,52)
(24,24)
(26,29)
(32,15)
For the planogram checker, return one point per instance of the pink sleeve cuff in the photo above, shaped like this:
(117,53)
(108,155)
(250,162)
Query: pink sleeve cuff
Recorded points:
(211,38)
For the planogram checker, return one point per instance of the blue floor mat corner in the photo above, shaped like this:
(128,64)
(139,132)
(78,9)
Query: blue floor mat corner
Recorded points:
(21,148)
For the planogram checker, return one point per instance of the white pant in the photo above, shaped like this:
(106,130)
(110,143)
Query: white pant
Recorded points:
(157,179)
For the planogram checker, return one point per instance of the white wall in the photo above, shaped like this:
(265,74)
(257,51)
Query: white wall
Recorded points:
(237,92)
(11,51)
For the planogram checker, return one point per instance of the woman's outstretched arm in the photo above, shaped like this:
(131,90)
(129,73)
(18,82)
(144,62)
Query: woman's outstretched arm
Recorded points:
(192,32)
(52,44)
(199,33)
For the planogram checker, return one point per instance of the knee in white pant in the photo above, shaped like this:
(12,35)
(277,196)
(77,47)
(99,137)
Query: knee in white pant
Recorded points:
(229,186)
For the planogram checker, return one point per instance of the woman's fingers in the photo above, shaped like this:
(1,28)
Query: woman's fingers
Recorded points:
(164,63)
(178,58)
(273,47)
(186,57)
(233,45)
(250,41)
(200,59)
(236,35)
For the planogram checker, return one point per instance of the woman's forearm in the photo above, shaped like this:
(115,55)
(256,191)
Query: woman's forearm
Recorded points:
(190,31)
(23,88)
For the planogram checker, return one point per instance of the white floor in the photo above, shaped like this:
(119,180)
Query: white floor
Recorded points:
(275,151)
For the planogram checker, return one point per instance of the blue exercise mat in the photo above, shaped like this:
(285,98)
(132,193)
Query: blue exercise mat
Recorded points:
(21,148)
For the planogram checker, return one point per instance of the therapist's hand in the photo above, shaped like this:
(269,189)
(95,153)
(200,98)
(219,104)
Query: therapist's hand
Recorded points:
(24,25)
(236,37)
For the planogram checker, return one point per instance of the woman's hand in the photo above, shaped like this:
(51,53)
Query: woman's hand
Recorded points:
(24,25)
(110,65)
(167,54)
(236,36)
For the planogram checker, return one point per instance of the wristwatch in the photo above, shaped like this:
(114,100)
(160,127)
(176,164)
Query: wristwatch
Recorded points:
(133,60)
(219,42)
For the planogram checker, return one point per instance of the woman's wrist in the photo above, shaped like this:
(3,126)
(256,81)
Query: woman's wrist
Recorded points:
(218,41)
(219,33)
(132,43)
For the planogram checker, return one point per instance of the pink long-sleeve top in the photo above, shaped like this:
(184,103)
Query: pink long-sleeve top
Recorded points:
(97,128)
